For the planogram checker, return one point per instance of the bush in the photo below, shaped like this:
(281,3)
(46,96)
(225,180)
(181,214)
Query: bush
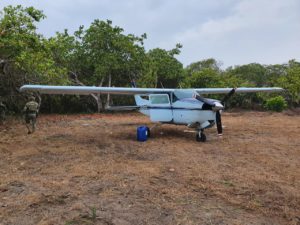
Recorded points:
(276,104)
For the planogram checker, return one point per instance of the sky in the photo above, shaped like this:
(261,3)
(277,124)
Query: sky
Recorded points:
(234,32)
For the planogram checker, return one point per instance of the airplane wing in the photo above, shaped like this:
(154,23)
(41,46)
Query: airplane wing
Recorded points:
(87,90)
(237,90)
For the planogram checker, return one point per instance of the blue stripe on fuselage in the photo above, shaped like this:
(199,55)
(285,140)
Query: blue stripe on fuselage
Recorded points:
(171,108)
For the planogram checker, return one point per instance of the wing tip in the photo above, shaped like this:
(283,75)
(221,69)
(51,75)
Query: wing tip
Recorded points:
(28,87)
(23,88)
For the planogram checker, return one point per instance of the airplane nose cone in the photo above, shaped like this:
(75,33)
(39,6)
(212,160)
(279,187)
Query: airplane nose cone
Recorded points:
(218,106)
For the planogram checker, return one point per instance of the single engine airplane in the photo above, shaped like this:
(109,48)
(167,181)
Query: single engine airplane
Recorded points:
(164,105)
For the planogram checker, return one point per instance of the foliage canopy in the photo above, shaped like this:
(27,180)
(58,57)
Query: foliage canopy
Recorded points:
(104,55)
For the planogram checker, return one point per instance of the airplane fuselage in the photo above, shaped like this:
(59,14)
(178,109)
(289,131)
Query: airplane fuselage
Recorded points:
(186,111)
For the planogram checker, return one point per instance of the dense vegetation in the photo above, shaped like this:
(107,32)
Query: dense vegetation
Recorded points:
(104,55)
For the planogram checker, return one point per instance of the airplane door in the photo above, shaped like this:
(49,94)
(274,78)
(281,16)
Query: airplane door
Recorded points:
(160,108)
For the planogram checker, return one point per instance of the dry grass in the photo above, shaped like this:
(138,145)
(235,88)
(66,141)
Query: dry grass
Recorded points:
(89,169)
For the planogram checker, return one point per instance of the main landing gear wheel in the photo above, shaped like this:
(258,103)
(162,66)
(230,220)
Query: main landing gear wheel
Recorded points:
(200,137)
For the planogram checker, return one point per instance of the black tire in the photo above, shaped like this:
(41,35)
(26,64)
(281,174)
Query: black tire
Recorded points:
(148,132)
(201,137)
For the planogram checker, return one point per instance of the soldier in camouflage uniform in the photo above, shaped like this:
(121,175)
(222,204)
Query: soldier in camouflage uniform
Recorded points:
(2,112)
(31,110)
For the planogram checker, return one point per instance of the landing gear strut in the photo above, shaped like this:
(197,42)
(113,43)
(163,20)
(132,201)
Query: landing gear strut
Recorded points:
(148,132)
(200,137)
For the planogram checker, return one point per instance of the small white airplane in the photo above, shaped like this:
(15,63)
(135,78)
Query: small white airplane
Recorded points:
(172,106)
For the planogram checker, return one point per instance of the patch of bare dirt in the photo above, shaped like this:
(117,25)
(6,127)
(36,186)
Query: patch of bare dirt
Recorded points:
(89,169)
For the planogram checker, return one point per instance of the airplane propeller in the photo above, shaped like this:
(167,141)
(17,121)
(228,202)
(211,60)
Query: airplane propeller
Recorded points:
(215,106)
(219,123)
(226,97)
(218,114)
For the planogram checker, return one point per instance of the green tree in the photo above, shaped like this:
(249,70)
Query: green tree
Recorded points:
(204,73)
(163,69)
(205,78)
(210,63)
(25,56)
(291,82)
(100,55)
(113,55)
(254,73)
(277,104)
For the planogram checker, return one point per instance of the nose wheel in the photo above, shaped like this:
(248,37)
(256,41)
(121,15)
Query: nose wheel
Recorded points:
(200,137)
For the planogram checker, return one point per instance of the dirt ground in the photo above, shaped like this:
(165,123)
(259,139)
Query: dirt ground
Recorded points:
(89,169)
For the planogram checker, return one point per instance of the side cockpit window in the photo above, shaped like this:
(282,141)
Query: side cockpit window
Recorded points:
(159,99)
(174,98)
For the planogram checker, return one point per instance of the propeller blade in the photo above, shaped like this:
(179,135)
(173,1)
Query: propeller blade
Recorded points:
(204,100)
(209,104)
(228,96)
(219,123)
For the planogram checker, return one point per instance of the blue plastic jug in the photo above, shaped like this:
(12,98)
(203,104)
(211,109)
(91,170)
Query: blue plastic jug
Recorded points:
(142,133)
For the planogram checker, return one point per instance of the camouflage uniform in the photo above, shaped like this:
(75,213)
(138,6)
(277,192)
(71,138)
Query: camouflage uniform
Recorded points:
(2,112)
(31,110)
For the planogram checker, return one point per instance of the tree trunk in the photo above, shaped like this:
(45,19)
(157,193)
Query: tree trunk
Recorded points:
(97,97)
(108,99)
(99,103)
(39,100)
